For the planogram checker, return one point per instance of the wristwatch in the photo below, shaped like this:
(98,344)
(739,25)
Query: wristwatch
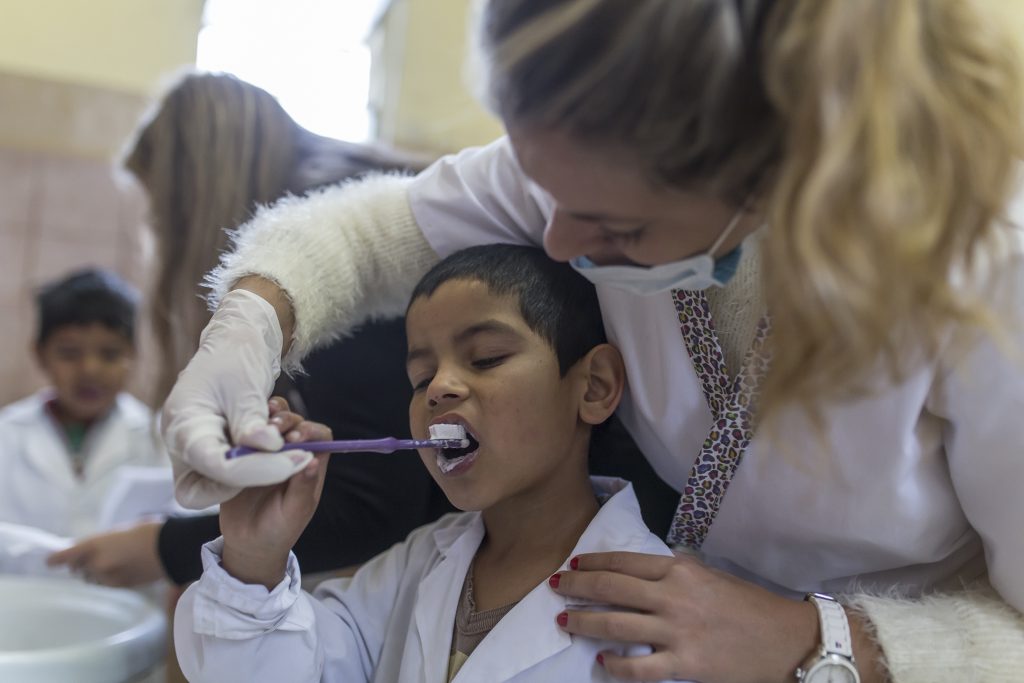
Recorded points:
(832,662)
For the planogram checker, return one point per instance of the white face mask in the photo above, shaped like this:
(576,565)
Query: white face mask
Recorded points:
(692,273)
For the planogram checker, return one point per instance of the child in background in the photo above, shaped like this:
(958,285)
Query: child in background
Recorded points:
(61,449)
(509,344)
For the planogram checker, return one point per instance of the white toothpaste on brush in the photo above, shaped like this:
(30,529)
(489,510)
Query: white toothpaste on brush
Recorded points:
(449,432)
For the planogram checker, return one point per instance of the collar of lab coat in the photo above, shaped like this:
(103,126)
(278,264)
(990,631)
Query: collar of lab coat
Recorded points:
(528,634)
(48,439)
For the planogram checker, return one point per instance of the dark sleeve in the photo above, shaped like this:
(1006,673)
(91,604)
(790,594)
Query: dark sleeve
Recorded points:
(357,387)
(179,542)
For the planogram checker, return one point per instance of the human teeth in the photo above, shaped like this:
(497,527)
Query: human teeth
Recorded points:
(446,465)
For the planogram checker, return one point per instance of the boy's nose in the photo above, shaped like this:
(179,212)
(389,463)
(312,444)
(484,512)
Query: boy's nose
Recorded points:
(90,364)
(445,389)
(435,401)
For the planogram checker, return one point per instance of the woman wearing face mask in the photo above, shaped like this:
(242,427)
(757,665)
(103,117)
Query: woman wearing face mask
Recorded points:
(799,218)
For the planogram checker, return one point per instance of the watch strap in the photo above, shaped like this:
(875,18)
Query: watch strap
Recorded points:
(835,627)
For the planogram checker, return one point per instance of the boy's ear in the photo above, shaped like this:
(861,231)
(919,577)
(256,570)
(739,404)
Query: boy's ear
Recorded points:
(606,379)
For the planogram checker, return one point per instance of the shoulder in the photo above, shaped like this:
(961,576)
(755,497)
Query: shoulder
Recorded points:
(133,421)
(619,525)
(25,411)
(496,155)
(133,413)
(476,173)
(478,195)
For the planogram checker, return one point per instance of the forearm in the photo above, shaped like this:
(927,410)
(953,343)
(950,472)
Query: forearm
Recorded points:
(867,653)
(329,261)
(255,568)
(965,636)
(273,294)
(227,631)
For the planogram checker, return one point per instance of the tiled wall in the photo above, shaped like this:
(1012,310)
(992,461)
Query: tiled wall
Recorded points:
(63,206)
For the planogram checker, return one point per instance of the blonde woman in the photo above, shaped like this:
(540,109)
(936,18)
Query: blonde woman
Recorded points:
(799,207)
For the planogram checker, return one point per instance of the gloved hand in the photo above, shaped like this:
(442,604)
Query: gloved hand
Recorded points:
(224,390)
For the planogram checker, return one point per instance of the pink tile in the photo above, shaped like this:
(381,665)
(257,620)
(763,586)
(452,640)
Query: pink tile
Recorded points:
(18,173)
(19,375)
(23,309)
(54,259)
(14,252)
(79,199)
(14,380)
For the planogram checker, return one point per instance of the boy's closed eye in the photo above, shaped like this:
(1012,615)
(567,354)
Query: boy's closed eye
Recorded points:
(485,363)
(112,355)
(489,361)
(69,353)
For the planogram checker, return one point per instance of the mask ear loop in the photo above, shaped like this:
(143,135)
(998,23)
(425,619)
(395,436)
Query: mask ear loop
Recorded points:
(733,222)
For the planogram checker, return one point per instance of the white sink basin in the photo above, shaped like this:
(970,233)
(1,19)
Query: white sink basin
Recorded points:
(60,630)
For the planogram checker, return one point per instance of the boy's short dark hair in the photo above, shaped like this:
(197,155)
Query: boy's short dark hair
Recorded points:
(555,301)
(84,298)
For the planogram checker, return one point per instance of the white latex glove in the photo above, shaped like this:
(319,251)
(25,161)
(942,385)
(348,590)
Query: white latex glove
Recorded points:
(224,390)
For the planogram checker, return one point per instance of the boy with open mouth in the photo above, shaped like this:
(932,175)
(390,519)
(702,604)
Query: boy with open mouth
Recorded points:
(510,346)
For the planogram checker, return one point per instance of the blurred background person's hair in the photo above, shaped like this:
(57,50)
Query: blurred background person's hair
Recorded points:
(212,150)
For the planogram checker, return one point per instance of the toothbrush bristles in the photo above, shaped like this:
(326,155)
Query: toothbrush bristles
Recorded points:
(452,443)
(448,432)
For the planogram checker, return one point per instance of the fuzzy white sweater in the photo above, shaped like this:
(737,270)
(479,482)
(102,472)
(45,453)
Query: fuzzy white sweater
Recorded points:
(353,252)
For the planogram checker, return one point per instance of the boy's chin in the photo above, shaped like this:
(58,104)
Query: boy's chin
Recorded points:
(462,500)
(86,411)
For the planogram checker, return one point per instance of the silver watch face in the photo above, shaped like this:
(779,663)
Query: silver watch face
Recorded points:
(832,669)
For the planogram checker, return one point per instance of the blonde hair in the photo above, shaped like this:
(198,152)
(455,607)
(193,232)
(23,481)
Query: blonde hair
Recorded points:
(881,137)
(213,149)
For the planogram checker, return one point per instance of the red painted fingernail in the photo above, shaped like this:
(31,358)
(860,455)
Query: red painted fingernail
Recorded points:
(553,581)
(574,563)
(600,659)
(562,619)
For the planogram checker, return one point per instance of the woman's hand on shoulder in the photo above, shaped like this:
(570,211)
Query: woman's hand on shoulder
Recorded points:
(261,524)
(703,624)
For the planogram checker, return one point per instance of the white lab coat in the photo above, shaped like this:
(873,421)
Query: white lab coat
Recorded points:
(914,487)
(392,622)
(38,486)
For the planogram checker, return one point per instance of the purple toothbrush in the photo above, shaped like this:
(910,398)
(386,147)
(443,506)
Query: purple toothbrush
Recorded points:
(442,436)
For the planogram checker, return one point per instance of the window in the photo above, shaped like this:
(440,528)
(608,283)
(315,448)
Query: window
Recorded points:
(310,54)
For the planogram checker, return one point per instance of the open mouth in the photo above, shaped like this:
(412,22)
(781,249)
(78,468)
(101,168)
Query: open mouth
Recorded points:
(88,393)
(455,460)
(454,453)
